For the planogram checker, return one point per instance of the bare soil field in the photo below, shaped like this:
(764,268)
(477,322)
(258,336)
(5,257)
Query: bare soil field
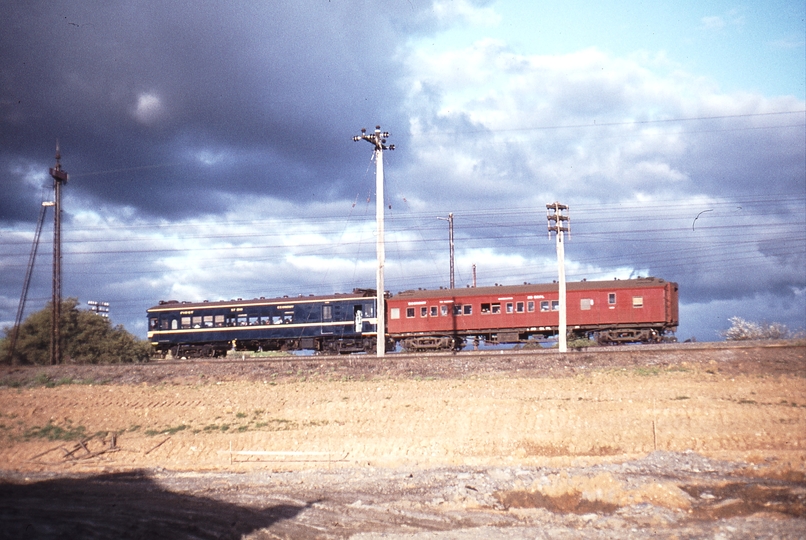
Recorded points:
(678,442)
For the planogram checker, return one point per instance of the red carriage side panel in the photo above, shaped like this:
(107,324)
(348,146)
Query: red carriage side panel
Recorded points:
(534,309)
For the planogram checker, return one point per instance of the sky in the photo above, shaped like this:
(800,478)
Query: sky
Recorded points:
(210,152)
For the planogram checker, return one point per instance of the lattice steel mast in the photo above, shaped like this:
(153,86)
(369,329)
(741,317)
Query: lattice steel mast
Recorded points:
(59,177)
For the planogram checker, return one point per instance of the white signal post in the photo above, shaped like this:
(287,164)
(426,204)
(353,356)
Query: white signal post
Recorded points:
(378,140)
(554,213)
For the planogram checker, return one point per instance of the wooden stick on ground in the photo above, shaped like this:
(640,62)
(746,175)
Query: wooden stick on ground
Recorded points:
(158,445)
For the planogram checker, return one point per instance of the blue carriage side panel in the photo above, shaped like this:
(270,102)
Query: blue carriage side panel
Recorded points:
(288,323)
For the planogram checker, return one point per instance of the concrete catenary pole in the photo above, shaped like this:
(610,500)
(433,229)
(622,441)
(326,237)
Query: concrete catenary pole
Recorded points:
(378,140)
(449,219)
(555,215)
(59,177)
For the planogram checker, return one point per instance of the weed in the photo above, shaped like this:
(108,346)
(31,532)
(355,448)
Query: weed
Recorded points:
(647,371)
(747,402)
(679,398)
(166,431)
(240,415)
(52,432)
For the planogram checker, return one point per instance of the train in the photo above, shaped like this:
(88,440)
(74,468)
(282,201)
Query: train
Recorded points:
(640,310)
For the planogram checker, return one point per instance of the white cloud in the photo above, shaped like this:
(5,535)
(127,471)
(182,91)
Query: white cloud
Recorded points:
(716,23)
(149,108)
(449,10)
(713,23)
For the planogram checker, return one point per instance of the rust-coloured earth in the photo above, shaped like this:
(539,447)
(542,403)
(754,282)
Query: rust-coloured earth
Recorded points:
(695,439)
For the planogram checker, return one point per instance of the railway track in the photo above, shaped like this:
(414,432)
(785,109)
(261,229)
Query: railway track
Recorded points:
(482,354)
(782,357)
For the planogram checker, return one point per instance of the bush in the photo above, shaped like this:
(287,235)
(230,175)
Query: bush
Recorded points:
(741,329)
(87,338)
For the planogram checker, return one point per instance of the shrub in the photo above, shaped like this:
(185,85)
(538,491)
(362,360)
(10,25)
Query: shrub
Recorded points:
(87,338)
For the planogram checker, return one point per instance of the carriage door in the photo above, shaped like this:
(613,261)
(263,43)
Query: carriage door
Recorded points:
(327,318)
(358,317)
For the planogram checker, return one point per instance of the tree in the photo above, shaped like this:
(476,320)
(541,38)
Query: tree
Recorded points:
(741,329)
(87,338)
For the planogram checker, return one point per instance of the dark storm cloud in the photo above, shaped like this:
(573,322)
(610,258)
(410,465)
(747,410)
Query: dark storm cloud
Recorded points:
(143,89)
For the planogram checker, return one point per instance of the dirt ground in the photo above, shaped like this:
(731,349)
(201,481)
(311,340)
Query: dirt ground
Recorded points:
(673,441)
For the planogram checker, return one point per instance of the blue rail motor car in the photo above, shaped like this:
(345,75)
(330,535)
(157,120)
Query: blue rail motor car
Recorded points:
(338,323)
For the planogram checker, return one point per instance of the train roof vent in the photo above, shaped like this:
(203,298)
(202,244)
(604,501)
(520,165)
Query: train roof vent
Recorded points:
(239,299)
(262,297)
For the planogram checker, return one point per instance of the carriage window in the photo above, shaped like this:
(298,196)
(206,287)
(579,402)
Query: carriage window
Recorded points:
(530,306)
(637,301)
(242,320)
(544,305)
(444,310)
(519,307)
(185,322)
(433,311)
(327,313)
(510,307)
(276,319)
(288,318)
(219,321)
(173,324)
(585,304)
(152,323)
(468,309)
(394,313)
(369,310)
(208,321)
(165,324)
(423,311)
(457,309)
(485,309)
(611,298)
(496,308)
(555,305)
(410,312)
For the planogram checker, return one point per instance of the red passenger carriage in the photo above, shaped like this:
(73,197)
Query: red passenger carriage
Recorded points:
(620,311)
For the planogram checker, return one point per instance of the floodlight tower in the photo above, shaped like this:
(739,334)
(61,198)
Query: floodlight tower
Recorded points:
(59,177)
(554,213)
(378,140)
